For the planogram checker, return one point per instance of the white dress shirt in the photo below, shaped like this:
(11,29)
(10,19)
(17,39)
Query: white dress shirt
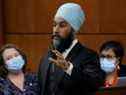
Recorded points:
(65,54)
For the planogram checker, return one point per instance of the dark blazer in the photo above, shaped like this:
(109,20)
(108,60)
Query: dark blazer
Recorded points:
(122,72)
(86,75)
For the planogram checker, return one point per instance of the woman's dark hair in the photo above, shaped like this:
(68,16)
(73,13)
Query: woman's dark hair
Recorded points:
(3,70)
(116,47)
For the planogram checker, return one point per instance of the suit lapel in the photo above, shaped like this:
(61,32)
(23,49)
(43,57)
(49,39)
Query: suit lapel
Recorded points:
(73,53)
(45,70)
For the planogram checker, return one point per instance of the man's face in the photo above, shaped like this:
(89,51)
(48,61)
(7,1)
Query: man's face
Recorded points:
(61,28)
(62,34)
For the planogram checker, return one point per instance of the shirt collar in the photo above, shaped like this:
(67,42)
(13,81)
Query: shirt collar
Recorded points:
(66,52)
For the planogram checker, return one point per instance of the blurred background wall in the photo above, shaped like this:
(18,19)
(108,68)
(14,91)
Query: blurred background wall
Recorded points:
(28,24)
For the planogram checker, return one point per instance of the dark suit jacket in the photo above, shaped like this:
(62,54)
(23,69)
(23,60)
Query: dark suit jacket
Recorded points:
(122,72)
(86,75)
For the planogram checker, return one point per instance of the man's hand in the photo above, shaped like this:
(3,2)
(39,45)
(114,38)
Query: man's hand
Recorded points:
(60,61)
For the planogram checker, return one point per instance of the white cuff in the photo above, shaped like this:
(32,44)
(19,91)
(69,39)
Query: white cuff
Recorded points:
(70,68)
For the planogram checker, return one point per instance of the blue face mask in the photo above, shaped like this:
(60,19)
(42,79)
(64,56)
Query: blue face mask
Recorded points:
(107,65)
(15,64)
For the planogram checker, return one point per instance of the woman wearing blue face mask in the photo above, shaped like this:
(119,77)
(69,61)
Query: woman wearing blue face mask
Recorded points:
(13,77)
(111,54)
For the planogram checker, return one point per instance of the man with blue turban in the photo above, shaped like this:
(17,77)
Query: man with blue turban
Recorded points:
(69,67)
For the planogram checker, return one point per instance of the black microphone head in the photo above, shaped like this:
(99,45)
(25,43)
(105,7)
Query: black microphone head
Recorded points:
(51,47)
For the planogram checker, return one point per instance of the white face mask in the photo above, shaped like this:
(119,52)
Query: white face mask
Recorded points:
(108,65)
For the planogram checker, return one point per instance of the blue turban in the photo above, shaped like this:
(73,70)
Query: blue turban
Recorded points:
(73,14)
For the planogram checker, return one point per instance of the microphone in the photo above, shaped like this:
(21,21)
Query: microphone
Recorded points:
(52,55)
(52,47)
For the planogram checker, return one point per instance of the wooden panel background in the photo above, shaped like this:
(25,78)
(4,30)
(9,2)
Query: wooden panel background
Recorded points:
(1,23)
(28,24)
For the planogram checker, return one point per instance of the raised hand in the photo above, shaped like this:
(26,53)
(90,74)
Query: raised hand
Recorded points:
(59,61)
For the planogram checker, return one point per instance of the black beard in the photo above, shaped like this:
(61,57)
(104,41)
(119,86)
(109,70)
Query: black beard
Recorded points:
(62,44)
